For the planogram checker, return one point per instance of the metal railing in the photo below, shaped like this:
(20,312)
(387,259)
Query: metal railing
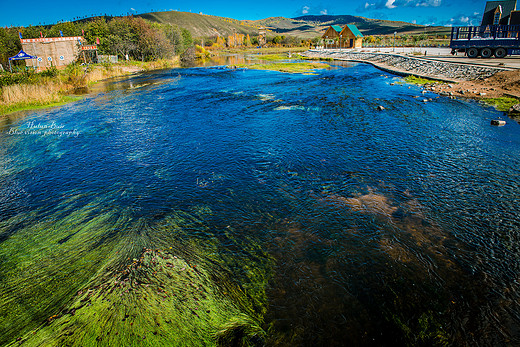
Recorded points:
(485,32)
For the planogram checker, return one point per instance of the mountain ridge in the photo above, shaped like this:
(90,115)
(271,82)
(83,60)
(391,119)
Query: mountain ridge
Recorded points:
(305,27)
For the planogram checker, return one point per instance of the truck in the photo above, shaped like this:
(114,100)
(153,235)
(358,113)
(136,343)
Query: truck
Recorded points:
(486,41)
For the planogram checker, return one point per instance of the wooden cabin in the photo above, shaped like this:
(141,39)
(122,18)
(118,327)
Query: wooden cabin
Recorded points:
(331,36)
(351,37)
(348,37)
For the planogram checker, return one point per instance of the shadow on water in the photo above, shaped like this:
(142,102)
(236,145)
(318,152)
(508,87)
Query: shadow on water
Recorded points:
(410,290)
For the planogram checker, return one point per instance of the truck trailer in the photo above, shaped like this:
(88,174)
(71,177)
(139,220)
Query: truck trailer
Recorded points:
(486,41)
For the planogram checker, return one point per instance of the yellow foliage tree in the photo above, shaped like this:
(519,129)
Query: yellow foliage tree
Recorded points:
(247,41)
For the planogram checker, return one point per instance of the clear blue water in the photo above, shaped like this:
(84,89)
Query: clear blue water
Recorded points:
(371,222)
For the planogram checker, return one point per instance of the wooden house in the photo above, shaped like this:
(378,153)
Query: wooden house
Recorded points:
(331,36)
(348,37)
(351,37)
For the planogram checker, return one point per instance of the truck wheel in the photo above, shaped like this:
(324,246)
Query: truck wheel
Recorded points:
(486,52)
(500,52)
(472,52)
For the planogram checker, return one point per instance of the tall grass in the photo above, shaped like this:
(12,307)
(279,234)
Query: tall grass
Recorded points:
(28,90)
(25,93)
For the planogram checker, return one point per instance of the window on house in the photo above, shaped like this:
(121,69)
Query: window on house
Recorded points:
(496,20)
(498,14)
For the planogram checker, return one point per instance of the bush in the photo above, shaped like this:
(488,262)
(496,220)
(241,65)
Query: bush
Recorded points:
(50,72)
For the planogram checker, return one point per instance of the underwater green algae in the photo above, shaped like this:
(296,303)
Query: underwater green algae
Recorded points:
(96,277)
(158,300)
(298,67)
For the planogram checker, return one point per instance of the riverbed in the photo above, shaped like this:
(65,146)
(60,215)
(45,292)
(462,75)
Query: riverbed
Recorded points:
(206,205)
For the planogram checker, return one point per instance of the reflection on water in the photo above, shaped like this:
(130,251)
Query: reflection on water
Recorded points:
(209,204)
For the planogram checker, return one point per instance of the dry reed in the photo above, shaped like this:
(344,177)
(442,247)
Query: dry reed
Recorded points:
(31,93)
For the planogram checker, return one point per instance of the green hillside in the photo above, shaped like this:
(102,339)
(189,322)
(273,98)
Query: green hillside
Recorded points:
(201,25)
(312,26)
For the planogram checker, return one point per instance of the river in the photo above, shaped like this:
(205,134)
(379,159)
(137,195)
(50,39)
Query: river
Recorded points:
(205,205)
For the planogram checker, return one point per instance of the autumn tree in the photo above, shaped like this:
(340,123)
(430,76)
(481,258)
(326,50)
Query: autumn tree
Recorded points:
(247,41)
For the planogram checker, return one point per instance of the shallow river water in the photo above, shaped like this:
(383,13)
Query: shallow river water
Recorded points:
(282,208)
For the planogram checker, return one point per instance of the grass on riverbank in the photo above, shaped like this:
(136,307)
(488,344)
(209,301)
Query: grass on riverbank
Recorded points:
(302,67)
(502,104)
(54,87)
(419,80)
(34,105)
(270,50)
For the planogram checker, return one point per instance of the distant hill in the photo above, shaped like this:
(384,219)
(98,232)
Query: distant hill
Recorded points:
(312,26)
(201,25)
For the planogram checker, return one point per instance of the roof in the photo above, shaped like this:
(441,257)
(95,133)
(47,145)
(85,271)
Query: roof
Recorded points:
(336,27)
(507,6)
(355,30)
(22,56)
(52,39)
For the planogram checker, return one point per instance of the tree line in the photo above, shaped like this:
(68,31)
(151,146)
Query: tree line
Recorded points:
(136,37)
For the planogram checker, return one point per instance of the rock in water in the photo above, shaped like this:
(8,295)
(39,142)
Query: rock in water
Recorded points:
(514,110)
(380,108)
(498,122)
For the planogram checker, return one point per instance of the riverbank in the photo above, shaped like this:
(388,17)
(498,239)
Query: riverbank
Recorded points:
(66,85)
(407,65)
(499,87)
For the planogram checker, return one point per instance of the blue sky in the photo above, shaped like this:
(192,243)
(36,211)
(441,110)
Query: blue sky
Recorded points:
(428,12)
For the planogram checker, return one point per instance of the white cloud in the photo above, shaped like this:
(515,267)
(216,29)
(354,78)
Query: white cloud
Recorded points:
(390,4)
(414,21)
(305,9)
(324,11)
(133,9)
(429,3)
(463,20)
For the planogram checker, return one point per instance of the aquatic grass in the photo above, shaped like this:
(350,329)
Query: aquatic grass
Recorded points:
(48,271)
(273,57)
(159,299)
(502,104)
(419,80)
(95,275)
(298,67)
